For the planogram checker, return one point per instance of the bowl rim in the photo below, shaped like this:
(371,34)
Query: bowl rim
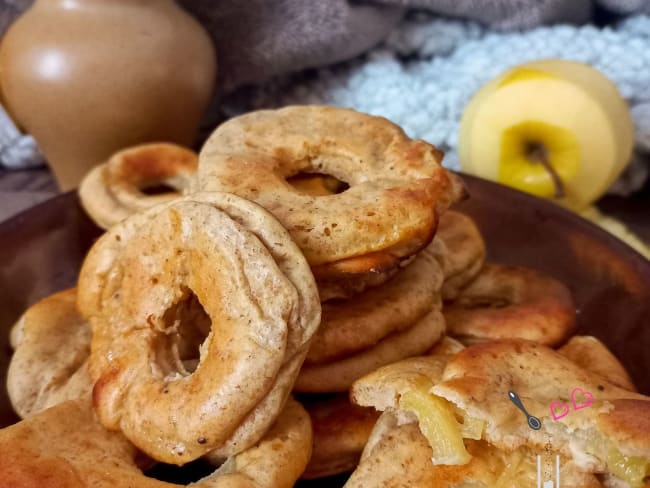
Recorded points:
(547,206)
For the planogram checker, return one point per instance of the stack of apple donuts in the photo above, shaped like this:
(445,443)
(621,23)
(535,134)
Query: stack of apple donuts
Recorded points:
(313,246)
(379,284)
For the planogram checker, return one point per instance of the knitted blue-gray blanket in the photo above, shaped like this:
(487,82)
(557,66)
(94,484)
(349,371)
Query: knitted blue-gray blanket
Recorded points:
(426,72)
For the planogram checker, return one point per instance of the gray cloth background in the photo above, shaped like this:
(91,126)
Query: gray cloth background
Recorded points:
(258,39)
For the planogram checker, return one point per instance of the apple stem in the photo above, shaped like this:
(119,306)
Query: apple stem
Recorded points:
(537,153)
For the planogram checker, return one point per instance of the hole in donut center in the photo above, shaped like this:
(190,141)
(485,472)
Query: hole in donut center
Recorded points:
(160,188)
(185,326)
(317,184)
(181,475)
(476,302)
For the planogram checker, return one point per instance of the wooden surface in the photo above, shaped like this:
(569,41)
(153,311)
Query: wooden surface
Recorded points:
(20,190)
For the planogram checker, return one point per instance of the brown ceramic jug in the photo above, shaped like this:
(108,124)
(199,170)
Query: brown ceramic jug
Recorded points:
(89,77)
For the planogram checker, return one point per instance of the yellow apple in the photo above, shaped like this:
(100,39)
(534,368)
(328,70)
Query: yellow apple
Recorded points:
(554,128)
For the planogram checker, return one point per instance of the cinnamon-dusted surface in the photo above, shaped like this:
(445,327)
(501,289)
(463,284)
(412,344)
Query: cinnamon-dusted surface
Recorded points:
(252,282)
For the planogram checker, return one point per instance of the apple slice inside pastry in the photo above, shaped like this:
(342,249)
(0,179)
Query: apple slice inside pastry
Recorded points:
(400,456)
(456,396)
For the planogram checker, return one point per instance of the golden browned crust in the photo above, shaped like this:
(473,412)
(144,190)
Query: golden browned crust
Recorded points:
(339,375)
(362,321)
(592,355)
(255,286)
(52,345)
(397,185)
(61,447)
(348,277)
(349,285)
(66,447)
(381,263)
(511,302)
(114,190)
(628,425)
(460,248)
(341,431)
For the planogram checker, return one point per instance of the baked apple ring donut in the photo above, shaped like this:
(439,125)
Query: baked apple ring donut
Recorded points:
(397,186)
(341,430)
(592,355)
(344,287)
(339,375)
(359,323)
(511,302)
(460,249)
(116,189)
(257,291)
(66,444)
(49,365)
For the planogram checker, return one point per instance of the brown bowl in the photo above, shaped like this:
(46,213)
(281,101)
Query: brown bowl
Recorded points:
(41,251)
